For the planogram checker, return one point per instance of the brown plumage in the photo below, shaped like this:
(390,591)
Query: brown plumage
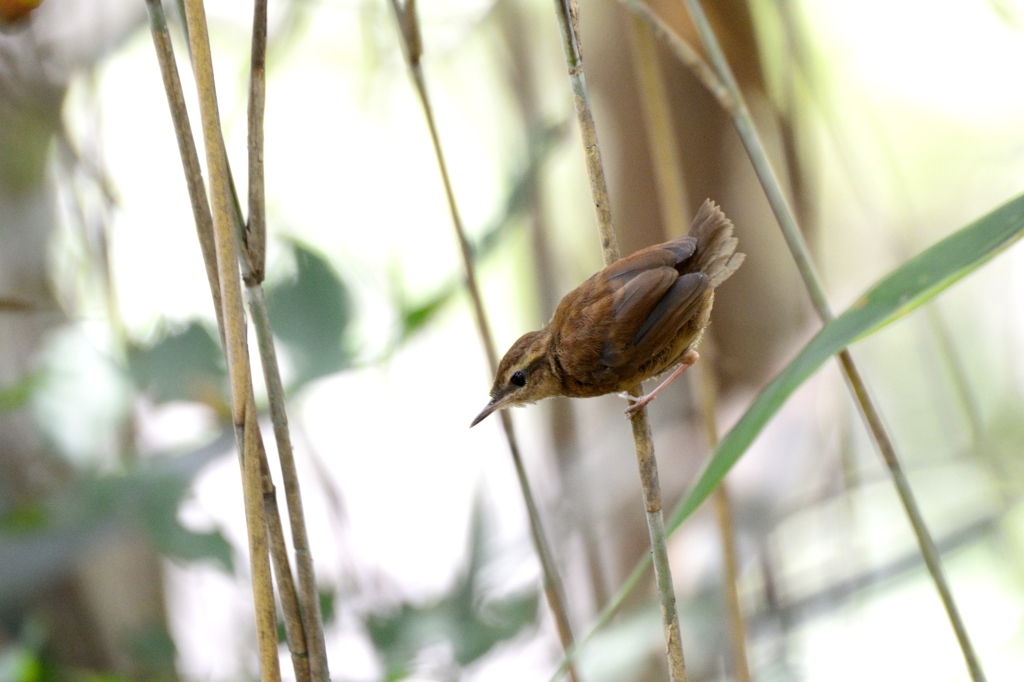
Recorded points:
(639,317)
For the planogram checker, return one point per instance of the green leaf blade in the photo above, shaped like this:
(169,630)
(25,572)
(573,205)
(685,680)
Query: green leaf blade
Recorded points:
(893,297)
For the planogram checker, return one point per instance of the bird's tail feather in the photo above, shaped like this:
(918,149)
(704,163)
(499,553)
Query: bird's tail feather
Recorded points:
(716,253)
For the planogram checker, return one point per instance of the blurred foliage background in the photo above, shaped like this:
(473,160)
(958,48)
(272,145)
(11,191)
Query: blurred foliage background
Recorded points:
(122,541)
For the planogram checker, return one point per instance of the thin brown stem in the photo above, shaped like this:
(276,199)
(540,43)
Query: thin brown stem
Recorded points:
(295,631)
(187,150)
(308,596)
(234,336)
(723,512)
(661,136)
(253,263)
(664,150)
(412,49)
(312,628)
(255,242)
(801,256)
(567,12)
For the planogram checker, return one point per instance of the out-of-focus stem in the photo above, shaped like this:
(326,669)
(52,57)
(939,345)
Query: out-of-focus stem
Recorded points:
(253,264)
(308,596)
(412,49)
(242,409)
(723,511)
(661,135)
(567,13)
(801,256)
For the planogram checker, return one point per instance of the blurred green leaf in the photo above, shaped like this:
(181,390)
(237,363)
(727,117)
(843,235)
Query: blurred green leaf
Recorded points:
(185,364)
(152,650)
(517,201)
(40,541)
(310,314)
(465,617)
(894,296)
(17,394)
(328,598)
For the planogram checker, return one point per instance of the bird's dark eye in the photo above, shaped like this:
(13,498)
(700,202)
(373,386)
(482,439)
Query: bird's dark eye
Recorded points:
(519,379)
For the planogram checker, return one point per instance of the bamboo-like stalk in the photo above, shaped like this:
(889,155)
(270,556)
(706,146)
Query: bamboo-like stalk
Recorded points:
(255,243)
(567,12)
(308,596)
(662,145)
(562,422)
(412,47)
(664,150)
(215,241)
(187,150)
(296,630)
(801,256)
(243,410)
(684,52)
(253,263)
(723,512)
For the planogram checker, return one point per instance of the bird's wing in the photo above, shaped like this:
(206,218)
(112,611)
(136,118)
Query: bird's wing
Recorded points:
(668,317)
(596,342)
(632,306)
(669,254)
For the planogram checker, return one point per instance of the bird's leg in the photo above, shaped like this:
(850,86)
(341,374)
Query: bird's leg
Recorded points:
(637,403)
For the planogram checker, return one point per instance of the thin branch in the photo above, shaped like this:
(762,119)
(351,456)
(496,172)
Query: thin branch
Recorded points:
(187,150)
(723,511)
(801,256)
(664,150)
(312,628)
(255,251)
(295,630)
(567,12)
(661,136)
(308,596)
(412,49)
(243,408)
(253,263)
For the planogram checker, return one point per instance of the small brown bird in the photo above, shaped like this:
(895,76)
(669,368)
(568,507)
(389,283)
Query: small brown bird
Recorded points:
(639,317)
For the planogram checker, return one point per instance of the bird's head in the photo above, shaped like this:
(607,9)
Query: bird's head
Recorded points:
(524,374)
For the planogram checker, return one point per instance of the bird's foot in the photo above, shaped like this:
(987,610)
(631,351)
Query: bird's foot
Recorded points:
(637,403)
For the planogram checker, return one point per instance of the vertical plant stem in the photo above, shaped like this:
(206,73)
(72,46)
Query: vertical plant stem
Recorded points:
(308,596)
(253,264)
(664,150)
(247,435)
(242,404)
(723,511)
(661,136)
(567,12)
(659,549)
(412,49)
(187,150)
(256,231)
(297,633)
(801,256)
(562,424)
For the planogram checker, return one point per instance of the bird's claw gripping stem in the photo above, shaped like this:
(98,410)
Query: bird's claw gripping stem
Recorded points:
(637,403)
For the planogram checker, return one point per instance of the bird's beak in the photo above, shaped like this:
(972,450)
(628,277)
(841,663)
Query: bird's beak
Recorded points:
(495,404)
